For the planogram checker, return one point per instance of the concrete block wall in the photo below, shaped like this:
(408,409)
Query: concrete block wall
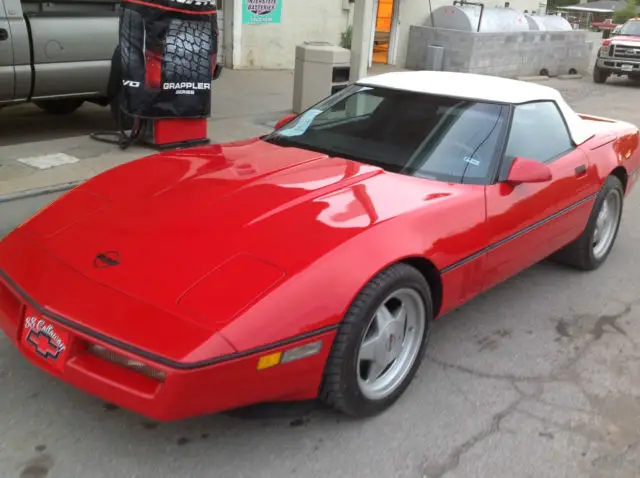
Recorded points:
(458,47)
(508,54)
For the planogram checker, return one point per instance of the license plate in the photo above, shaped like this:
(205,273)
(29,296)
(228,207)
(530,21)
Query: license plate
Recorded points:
(627,67)
(44,339)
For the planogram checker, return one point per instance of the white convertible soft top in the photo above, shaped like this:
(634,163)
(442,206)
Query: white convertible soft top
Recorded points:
(483,88)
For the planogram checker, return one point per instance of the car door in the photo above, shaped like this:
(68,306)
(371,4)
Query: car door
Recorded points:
(7,69)
(73,43)
(529,221)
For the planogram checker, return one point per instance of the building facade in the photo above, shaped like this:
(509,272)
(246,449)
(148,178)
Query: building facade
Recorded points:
(263,34)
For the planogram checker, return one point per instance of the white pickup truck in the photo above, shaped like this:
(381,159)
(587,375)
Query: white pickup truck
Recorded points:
(57,54)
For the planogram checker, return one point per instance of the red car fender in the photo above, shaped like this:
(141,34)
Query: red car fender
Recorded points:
(319,297)
(617,153)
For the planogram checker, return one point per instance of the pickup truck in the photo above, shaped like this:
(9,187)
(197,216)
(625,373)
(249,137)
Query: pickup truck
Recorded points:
(58,54)
(620,54)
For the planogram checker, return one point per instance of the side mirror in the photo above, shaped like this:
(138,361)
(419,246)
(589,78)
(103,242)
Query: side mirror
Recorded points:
(285,120)
(524,170)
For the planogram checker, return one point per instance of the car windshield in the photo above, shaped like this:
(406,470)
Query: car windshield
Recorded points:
(630,28)
(430,136)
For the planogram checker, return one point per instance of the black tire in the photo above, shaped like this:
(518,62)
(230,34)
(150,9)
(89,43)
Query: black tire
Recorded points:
(599,75)
(128,63)
(340,389)
(114,90)
(579,253)
(59,107)
(132,47)
(188,52)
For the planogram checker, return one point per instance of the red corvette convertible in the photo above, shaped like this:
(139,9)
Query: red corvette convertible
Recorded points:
(311,262)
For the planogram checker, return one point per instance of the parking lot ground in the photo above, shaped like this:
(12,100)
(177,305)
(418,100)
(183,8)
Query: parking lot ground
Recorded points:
(538,378)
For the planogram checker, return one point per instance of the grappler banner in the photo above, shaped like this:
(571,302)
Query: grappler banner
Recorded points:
(168,51)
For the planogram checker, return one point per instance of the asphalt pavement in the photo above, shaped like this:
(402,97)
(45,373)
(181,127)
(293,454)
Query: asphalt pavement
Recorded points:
(12,213)
(536,378)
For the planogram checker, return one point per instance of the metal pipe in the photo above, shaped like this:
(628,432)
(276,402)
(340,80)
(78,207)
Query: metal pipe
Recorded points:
(431,14)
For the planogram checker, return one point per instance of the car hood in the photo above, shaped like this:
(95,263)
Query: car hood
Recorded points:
(236,217)
(625,38)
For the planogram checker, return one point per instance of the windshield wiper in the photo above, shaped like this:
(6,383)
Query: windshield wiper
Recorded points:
(280,140)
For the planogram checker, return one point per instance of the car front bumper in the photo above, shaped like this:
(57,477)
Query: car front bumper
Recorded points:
(115,372)
(618,66)
(165,393)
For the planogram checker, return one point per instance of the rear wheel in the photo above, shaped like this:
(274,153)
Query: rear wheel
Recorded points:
(599,75)
(592,247)
(380,343)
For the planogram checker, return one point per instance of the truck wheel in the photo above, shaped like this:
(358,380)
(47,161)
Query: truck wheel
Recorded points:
(599,75)
(59,107)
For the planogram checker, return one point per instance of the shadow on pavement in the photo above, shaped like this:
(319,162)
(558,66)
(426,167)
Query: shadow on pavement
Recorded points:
(28,123)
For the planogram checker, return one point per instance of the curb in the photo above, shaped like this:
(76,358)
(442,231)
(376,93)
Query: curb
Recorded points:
(39,191)
(533,78)
(570,76)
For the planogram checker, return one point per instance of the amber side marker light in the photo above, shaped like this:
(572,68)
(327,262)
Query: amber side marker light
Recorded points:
(296,353)
(126,362)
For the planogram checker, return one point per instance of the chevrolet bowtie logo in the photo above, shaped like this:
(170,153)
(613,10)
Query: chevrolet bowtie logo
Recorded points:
(107,259)
(43,345)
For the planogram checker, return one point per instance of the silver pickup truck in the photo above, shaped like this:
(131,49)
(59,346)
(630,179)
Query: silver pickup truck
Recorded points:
(57,54)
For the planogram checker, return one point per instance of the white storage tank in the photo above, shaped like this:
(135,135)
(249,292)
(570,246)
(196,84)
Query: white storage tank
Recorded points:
(552,23)
(467,17)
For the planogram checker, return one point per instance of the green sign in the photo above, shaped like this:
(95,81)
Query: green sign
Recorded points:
(261,12)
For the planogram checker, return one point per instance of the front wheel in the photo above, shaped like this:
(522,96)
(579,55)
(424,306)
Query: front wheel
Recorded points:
(599,75)
(380,343)
(592,247)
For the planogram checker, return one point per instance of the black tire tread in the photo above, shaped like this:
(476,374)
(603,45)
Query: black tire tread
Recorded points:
(123,120)
(132,30)
(187,54)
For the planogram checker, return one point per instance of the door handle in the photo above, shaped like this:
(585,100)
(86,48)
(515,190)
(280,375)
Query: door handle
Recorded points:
(4,34)
(581,170)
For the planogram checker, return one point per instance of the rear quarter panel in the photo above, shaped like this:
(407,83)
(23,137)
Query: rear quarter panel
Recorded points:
(614,148)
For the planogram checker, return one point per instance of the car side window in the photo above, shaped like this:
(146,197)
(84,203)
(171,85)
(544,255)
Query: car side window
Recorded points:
(462,143)
(538,132)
